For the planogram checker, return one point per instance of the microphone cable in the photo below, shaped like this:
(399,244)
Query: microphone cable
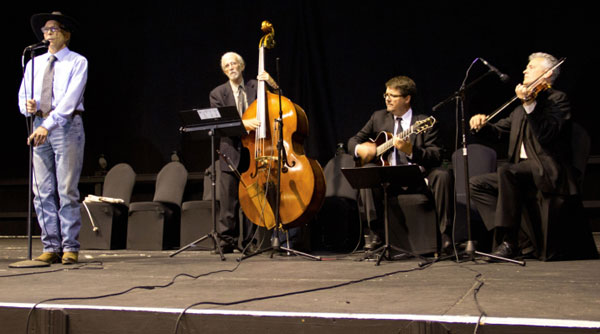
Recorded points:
(299,292)
(114,294)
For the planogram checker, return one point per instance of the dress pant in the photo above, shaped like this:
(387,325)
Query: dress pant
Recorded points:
(500,197)
(441,186)
(228,224)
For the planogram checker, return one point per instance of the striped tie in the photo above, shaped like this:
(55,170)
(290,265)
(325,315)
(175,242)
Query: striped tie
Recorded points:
(241,100)
(46,98)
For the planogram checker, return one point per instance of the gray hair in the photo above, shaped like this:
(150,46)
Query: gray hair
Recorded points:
(549,62)
(238,58)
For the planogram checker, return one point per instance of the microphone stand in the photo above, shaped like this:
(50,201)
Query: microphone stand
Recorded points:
(459,97)
(29,263)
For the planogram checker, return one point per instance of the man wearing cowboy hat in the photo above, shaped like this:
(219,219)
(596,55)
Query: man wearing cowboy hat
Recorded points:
(60,77)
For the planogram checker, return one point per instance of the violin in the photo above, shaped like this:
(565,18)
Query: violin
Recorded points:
(535,90)
(535,87)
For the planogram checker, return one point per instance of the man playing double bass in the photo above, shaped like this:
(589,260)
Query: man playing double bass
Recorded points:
(240,93)
(539,131)
(422,149)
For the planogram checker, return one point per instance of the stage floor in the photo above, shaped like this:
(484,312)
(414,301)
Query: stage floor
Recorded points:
(556,294)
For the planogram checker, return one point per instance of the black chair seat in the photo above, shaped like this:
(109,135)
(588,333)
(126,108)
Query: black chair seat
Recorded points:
(155,225)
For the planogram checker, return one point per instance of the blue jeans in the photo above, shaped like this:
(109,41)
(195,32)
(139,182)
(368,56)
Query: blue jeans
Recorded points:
(56,169)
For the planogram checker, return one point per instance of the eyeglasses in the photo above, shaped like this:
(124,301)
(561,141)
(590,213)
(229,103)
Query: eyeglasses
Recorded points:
(394,96)
(48,29)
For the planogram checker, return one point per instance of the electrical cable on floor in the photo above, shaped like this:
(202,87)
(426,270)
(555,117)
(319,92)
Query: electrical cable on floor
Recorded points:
(81,265)
(475,291)
(143,287)
(293,293)
(476,287)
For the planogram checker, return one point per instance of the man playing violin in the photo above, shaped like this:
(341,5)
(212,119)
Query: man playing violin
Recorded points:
(539,155)
(421,149)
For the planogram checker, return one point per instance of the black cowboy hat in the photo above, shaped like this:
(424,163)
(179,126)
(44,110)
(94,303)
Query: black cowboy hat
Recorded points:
(39,20)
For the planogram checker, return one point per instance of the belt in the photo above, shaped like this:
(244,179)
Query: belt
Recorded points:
(39,113)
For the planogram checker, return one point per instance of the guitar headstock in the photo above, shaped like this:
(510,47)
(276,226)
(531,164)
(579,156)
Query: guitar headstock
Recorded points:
(423,125)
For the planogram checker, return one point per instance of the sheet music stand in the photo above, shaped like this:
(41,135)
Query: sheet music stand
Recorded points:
(391,178)
(211,122)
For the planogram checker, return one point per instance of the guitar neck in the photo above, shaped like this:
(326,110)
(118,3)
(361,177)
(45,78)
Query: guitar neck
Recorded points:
(390,142)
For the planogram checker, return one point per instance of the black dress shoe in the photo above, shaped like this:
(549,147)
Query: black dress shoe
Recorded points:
(373,244)
(225,248)
(447,244)
(505,250)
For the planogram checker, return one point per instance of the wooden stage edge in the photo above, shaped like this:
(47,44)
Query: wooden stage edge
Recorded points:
(129,291)
(110,319)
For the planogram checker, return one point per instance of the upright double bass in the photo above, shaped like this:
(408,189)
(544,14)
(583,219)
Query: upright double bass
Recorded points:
(301,181)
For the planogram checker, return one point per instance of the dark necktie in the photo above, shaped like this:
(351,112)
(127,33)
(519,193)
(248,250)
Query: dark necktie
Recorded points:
(241,101)
(46,97)
(400,156)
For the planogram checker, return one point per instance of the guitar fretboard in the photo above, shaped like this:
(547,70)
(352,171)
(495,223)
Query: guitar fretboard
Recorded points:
(390,142)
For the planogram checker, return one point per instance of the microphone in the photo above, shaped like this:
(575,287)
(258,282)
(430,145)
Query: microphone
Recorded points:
(43,44)
(503,77)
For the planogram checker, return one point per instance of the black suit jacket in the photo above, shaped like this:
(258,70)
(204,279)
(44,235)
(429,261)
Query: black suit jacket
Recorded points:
(222,96)
(547,140)
(426,148)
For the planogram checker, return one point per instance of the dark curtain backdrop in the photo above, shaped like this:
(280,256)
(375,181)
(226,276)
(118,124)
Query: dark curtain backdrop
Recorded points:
(148,61)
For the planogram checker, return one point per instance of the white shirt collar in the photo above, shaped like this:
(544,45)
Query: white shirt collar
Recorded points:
(407,117)
(60,54)
(235,86)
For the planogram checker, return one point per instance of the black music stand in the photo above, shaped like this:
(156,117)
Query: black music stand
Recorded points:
(211,122)
(407,178)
